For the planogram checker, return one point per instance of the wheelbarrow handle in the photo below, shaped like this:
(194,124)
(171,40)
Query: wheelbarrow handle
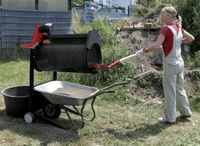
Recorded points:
(113,85)
(106,89)
(93,97)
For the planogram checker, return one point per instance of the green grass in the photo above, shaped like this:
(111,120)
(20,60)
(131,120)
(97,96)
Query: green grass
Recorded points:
(17,73)
(119,121)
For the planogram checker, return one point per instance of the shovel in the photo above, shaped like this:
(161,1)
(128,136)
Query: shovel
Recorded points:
(115,63)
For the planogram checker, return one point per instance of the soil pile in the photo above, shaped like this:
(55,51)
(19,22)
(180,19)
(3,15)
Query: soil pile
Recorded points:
(146,84)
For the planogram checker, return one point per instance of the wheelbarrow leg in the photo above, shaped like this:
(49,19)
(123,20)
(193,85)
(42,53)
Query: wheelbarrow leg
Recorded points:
(76,110)
(93,110)
(67,110)
(81,114)
(70,119)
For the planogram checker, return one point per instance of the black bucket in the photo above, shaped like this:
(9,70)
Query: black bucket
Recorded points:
(16,100)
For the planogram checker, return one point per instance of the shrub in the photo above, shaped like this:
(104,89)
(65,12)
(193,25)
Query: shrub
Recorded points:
(193,60)
(144,7)
(190,12)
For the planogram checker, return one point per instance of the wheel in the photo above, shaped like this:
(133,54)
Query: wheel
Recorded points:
(51,111)
(29,118)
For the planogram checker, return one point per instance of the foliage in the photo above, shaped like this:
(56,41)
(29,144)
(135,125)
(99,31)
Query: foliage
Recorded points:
(195,104)
(193,60)
(155,3)
(190,12)
(147,3)
(141,11)
(78,1)
(145,7)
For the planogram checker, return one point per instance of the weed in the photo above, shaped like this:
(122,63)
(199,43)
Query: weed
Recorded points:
(193,60)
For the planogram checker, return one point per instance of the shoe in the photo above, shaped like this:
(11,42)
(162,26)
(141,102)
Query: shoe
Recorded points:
(185,116)
(163,120)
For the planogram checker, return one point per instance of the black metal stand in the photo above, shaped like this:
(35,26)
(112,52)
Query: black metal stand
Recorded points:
(86,47)
(31,79)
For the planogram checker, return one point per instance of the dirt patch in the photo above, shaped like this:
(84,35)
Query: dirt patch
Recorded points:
(146,88)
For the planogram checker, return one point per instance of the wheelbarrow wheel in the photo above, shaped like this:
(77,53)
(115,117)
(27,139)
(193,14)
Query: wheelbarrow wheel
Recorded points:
(29,118)
(51,111)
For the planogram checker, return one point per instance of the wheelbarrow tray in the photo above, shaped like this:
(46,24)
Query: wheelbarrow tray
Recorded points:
(66,93)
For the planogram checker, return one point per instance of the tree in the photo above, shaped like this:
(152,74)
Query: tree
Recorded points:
(78,1)
(190,12)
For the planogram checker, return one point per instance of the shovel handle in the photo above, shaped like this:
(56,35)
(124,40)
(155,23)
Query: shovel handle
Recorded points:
(127,57)
(104,68)
(115,63)
(133,55)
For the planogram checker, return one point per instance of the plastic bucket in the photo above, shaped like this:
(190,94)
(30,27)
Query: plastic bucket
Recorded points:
(16,100)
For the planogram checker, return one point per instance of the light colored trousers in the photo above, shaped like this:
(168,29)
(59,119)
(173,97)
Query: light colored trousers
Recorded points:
(175,95)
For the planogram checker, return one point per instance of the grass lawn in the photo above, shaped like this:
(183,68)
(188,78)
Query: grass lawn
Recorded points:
(117,123)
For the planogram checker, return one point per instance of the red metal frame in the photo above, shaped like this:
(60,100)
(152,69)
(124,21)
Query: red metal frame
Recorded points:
(35,39)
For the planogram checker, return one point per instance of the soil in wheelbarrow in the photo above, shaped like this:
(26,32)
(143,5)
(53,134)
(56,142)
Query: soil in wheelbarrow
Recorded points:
(71,92)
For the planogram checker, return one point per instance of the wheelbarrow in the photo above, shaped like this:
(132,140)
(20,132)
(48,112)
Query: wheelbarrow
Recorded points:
(68,96)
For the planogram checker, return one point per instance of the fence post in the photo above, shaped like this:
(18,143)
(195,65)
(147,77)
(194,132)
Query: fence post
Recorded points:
(36,5)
